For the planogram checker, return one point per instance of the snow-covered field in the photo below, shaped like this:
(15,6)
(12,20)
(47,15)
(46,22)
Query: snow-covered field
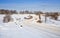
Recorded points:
(30,28)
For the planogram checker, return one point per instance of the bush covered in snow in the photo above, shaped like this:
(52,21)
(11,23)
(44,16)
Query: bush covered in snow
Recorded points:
(7,19)
(52,15)
(29,17)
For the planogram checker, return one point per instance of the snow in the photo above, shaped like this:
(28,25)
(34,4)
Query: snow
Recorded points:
(30,28)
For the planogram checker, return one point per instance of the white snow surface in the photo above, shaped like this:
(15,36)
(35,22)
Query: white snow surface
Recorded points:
(29,28)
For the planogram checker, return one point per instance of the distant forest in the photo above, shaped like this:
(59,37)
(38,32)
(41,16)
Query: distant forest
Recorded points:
(3,11)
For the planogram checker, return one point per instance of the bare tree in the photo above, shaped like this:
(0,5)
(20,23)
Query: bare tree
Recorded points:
(39,18)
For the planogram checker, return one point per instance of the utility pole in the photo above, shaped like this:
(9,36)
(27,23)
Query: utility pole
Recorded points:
(46,17)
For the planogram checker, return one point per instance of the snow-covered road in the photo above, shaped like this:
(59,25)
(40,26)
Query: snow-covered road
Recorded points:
(29,29)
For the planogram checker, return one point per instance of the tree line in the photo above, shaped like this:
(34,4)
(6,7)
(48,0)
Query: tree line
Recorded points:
(2,11)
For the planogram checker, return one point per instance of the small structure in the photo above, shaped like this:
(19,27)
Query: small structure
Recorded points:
(7,19)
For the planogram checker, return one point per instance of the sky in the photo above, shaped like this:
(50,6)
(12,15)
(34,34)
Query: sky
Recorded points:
(31,5)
